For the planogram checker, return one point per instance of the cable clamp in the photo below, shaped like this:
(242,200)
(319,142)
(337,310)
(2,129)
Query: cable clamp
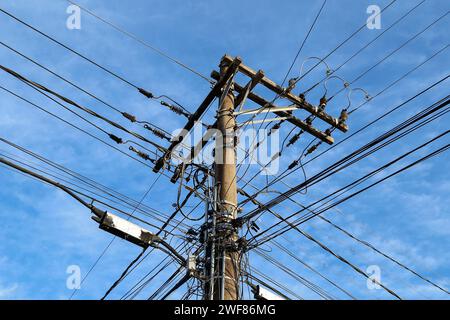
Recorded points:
(115,138)
(293,165)
(146,93)
(129,116)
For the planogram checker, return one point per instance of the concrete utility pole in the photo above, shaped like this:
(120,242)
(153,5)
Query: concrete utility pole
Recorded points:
(222,246)
(227,256)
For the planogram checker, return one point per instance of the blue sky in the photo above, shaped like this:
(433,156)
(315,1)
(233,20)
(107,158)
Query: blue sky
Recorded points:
(43,230)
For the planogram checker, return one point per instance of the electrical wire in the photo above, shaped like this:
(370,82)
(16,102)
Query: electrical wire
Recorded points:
(42,89)
(305,39)
(363,26)
(112,73)
(290,171)
(279,95)
(392,52)
(334,70)
(144,43)
(123,113)
(346,161)
(318,212)
(72,125)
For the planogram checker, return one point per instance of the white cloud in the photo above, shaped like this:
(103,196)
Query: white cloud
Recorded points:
(8,291)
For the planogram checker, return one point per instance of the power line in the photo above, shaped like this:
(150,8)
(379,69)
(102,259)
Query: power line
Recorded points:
(318,212)
(305,39)
(308,284)
(49,181)
(90,206)
(363,26)
(69,49)
(295,80)
(42,89)
(72,125)
(346,261)
(265,284)
(334,70)
(401,78)
(121,199)
(165,284)
(346,161)
(75,190)
(392,52)
(392,84)
(353,184)
(291,254)
(122,275)
(123,113)
(284,80)
(125,272)
(203,241)
(284,175)
(371,246)
(276,283)
(112,73)
(291,170)
(144,43)
(148,253)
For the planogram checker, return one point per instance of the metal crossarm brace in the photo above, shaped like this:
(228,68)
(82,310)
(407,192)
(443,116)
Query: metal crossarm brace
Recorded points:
(216,90)
(240,100)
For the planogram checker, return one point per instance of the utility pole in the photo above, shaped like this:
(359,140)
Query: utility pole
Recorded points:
(227,272)
(219,234)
